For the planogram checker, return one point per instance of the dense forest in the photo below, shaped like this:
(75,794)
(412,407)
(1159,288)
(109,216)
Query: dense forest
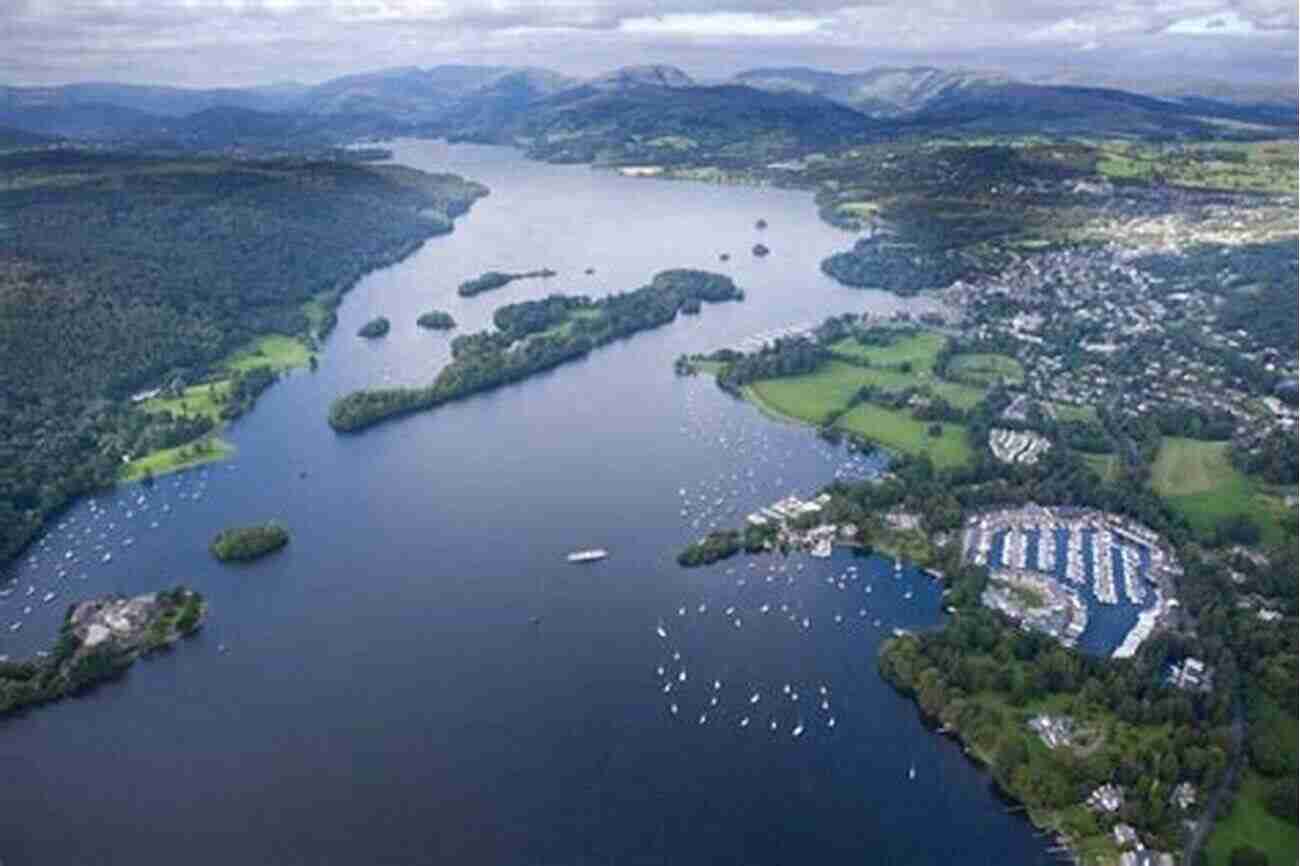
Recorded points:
(489,280)
(794,356)
(1259,284)
(985,681)
(121,273)
(376,327)
(714,547)
(533,336)
(242,543)
(436,320)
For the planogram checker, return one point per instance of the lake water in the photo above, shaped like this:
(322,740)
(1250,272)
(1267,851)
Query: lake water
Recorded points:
(420,676)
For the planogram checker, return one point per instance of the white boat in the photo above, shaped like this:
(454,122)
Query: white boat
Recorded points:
(798,729)
(594,555)
(911,772)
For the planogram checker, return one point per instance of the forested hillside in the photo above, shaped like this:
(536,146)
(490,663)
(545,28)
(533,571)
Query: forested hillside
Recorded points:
(122,273)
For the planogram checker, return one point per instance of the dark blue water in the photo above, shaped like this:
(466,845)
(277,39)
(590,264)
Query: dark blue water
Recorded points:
(420,676)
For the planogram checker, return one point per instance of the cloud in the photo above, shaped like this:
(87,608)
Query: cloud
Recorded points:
(723,24)
(1228,23)
(245,41)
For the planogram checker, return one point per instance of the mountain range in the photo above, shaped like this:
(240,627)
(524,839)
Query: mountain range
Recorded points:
(780,111)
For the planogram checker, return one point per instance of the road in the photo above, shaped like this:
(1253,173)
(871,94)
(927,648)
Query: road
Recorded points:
(1201,830)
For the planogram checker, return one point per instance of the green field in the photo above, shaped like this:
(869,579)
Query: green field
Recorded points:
(1249,823)
(898,430)
(276,351)
(917,349)
(920,351)
(811,397)
(1068,412)
(985,368)
(318,310)
(206,450)
(195,401)
(1197,479)
(1187,467)
(1105,465)
(1266,166)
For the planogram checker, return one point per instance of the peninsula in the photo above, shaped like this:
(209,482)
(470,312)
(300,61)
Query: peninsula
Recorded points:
(490,280)
(533,336)
(98,641)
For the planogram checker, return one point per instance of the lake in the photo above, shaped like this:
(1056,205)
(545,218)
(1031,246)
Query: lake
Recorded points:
(421,676)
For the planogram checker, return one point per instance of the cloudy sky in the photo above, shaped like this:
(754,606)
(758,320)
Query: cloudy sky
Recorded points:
(219,42)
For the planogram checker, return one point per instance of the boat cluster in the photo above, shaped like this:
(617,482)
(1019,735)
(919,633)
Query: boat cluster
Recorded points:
(754,457)
(775,614)
(91,541)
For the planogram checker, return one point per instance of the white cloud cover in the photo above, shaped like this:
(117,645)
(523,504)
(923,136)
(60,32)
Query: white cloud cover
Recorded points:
(205,42)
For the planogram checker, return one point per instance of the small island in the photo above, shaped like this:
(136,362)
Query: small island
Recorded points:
(490,280)
(714,547)
(98,641)
(436,320)
(243,543)
(377,327)
(761,250)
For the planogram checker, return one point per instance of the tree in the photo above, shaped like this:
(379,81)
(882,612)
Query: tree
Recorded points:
(935,430)
(1248,855)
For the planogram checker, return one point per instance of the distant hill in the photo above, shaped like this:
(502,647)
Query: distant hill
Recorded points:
(411,94)
(880,92)
(154,100)
(91,121)
(655,111)
(968,101)
(634,76)
(636,120)
(483,113)
(16,138)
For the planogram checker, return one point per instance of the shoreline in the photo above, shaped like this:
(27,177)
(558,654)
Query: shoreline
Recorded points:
(320,309)
(1045,822)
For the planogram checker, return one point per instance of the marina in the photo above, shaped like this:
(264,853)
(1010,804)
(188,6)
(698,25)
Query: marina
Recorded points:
(1057,569)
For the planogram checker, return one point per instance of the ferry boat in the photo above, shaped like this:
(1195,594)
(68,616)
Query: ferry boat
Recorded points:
(588,555)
